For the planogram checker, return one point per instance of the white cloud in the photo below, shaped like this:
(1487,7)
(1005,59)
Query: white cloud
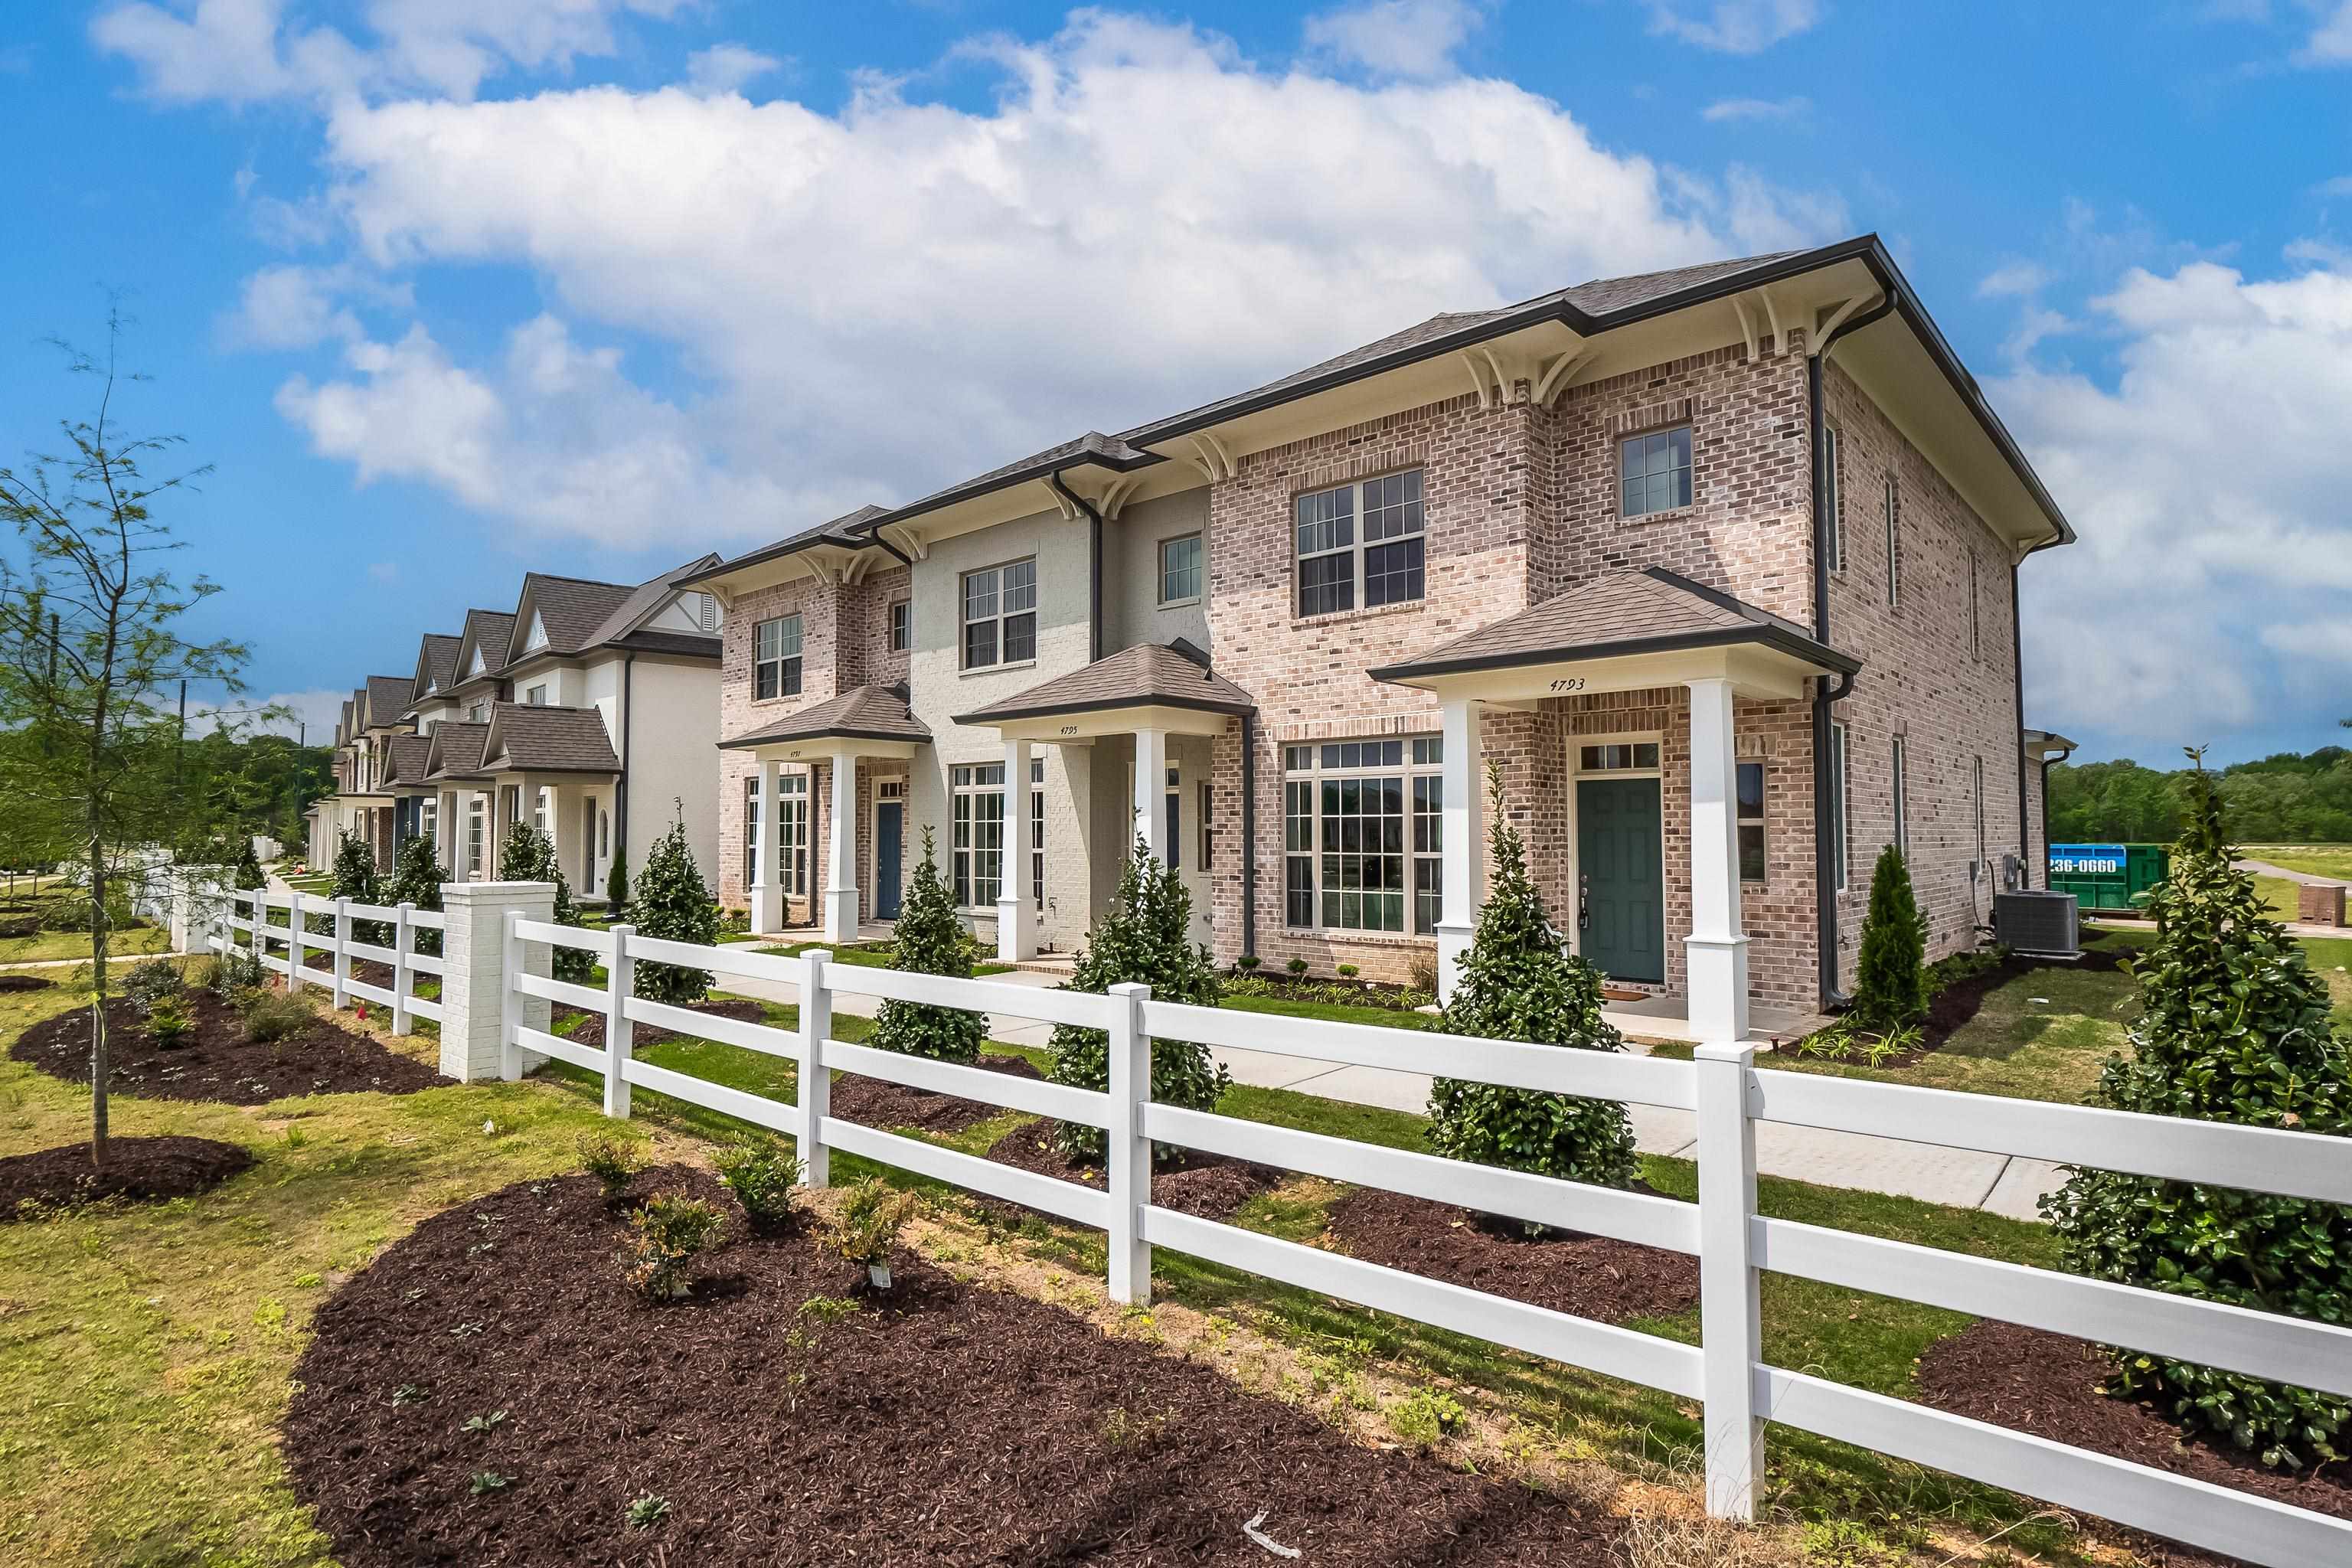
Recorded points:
(1395,37)
(875,302)
(294,307)
(1736,110)
(320,708)
(726,67)
(384,571)
(2018,279)
(1736,27)
(2330,43)
(2207,486)
(2341,185)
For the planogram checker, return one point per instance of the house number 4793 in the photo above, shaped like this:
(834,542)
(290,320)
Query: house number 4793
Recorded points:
(1573,683)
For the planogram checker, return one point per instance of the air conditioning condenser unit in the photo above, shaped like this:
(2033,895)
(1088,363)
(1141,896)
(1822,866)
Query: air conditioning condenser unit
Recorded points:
(2038,921)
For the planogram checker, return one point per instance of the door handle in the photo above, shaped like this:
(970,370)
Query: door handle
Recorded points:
(1583,902)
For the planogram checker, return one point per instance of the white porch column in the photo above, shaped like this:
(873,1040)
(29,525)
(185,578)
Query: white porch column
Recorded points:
(1462,841)
(1017,915)
(1716,947)
(767,889)
(841,853)
(1150,794)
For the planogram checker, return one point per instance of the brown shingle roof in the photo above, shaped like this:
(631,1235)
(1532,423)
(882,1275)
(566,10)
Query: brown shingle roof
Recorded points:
(387,698)
(437,657)
(488,631)
(534,740)
(456,750)
(1649,611)
(1147,675)
(409,756)
(570,608)
(860,713)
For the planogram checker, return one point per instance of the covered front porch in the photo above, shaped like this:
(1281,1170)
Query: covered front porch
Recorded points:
(1649,835)
(555,770)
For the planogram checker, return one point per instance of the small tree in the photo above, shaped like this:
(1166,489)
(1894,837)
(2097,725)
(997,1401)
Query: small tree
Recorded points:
(2234,1028)
(416,878)
(250,874)
(528,855)
(930,940)
(1517,983)
(1890,990)
(674,904)
(356,879)
(1145,938)
(616,885)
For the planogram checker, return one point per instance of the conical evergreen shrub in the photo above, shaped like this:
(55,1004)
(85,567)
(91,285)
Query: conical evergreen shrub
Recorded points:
(356,879)
(1518,981)
(250,874)
(1145,939)
(416,878)
(930,940)
(528,855)
(616,887)
(2234,1028)
(1890,988)
(674,904)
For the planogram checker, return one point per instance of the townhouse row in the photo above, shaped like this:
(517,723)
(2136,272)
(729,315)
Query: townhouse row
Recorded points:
(1706,580)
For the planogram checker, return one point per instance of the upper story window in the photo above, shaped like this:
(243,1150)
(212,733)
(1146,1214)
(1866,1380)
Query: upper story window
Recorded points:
(536,696)
(1832,503)
(1340,564)
(776,657)
(1653,471)
(1180,569)
(902,616)
(1000,614)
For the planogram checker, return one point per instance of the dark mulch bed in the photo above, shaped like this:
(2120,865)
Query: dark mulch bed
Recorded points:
(875,1103)
(1211,1186)
(1589,1276)
(24,983)
(591,1031)
(144,1169)
(214,1061)
(2047,1385)
(943,1424)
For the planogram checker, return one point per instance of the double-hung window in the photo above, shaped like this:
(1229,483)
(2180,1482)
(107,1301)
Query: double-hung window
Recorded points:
(1037,832)
(1366,536)
(901,625)
(776,658)
(1653,471)
(1750,794)
(978,833)
(1180,569)
(1362,841)
(1000,614)
(474,813)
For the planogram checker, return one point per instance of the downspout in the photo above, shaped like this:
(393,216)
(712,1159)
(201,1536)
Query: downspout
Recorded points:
(1093,561)
(1825,696)
(904,559)
(2047,763)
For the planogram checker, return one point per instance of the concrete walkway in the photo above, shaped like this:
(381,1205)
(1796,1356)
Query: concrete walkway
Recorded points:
(2302,879)
(1930,1173)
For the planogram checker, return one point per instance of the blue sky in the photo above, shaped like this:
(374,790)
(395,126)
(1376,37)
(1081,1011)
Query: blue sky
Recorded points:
(448,289)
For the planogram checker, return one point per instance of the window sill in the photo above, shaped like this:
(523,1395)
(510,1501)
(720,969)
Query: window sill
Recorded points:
(1178,604)
(778,701)
(994,668)
(1669,514)
(1334,617)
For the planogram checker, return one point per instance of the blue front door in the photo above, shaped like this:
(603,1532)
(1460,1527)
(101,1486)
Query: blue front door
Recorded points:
(887,815)
(1620,873)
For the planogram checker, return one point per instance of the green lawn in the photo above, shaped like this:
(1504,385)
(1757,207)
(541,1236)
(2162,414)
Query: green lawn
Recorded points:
(52,944)
(2312,859)
(870,955)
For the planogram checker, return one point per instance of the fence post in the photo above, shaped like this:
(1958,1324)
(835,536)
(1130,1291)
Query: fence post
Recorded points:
(478,1003)
(1130,1153)
(1730,1319)
(815,1088)
(342,953)
(402,933)
(294,940)
(260,934)
(509,999)
(620,986)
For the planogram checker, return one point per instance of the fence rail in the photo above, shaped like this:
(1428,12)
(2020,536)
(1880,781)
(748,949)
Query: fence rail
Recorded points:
(247,914)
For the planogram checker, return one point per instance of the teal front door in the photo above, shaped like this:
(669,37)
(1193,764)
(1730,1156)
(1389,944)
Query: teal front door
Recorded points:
(1620,875)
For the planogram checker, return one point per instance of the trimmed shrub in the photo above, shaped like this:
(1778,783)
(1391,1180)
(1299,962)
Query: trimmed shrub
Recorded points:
(271,1016)
(1518,982)
(356,879)
(761,1174)
(2234,1028)
(866,1224)
(674,904)
(667,1232)
(416,878)
(616,885)
(152,982)
(1145,938)
(930,940)
(614,1161)
(1890,989)
(250,874)
(528,855)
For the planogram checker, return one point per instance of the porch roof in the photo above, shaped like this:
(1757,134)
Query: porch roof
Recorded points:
(1623,616)
(1148,675)
(527,738)
(860,713)
(411,758)
(457,752)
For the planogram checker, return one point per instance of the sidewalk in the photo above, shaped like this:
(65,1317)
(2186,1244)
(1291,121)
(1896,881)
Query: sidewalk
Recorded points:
(1930,1173)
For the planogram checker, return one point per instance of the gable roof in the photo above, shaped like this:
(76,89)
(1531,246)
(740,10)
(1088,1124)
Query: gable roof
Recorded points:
(526,738)
(456,750)
(1148,675)
(387,698)
(408,759)
(579,614)
(860,713)
(1649,611)
(487,633)
(436,665)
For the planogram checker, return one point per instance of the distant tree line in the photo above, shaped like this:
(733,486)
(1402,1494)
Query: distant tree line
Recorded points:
(2286,798)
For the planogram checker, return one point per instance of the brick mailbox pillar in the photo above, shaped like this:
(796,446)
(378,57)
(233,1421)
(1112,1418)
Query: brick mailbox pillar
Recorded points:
(2320,905)
(474,1005)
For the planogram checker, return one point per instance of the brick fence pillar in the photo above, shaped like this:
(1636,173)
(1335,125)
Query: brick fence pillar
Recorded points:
(473,980)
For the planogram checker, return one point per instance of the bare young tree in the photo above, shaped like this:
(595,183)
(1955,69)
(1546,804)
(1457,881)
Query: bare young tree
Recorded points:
(91,660)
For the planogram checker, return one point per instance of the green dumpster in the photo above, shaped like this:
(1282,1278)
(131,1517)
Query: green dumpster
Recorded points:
(2108,876)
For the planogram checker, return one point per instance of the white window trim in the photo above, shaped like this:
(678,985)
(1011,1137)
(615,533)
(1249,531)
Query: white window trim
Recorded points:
(960,875)
(1355,549)
(1313,778)
(899,624)
(785,663)
(1199,537)
(536,637)
(1576,744)
(965,620)
(795,798)
(1617,473)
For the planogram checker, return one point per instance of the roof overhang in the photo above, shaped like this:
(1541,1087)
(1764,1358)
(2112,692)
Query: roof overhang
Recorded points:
(2043,744)
(1762,667)
(1079,725)
(833,746)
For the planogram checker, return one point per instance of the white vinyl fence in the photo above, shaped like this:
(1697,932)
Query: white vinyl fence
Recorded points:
(1726,1373)
(244,922)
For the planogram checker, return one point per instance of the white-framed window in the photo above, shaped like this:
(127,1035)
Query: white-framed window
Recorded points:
(776,658)
(750,830)
(1617,757)
(978,804)
(1037,832)
(1748,791)
(793,833)
(902,616)
(1982,846)
(1901,760)
(1653,471)
(428,821)
(542,804)
(1832,499)
(1342,565)
(1362,823)
(1180,570)
(1000,614)
(535,697)
(1841,803)
(478,712)
(1894,503)
(475,811)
